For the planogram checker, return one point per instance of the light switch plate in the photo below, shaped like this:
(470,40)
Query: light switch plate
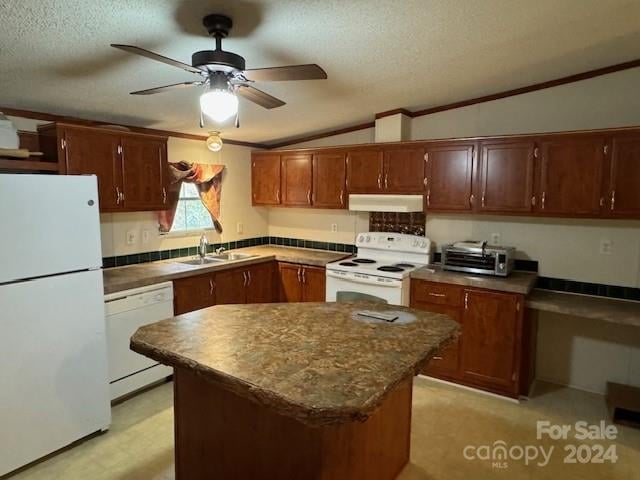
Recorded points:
(145,236)
(606,247)
(131,237)
(334,227)
(239,227)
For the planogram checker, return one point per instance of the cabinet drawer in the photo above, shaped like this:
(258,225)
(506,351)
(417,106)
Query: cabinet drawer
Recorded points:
(438,293)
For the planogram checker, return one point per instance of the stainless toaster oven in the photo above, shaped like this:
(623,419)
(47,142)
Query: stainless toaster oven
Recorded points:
(478,257)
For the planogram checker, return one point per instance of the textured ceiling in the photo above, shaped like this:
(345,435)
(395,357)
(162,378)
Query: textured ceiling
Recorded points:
(379,55)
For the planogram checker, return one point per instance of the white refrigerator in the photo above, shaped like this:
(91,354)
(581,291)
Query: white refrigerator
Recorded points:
(53,361)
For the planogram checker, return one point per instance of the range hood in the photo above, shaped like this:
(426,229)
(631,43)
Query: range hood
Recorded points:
(386,203)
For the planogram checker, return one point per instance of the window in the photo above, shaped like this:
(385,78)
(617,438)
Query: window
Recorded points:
(191,214)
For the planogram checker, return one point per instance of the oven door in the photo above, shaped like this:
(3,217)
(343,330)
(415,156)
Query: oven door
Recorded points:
(351,287)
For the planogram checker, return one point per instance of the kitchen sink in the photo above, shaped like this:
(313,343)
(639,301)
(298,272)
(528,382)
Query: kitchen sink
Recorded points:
(222,257)
(231,256)
(201,261)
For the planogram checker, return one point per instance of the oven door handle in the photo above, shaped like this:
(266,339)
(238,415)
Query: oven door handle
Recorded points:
(394,284)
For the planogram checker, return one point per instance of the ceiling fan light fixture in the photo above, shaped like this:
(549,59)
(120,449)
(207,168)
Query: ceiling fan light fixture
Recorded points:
(214,142)
(219,104)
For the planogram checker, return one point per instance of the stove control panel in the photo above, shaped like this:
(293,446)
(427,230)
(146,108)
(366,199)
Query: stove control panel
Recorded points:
(396,242)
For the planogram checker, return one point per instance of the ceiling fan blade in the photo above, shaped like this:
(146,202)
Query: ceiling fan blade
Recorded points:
(258,96)
(174,86)
(291,72)
(157,57)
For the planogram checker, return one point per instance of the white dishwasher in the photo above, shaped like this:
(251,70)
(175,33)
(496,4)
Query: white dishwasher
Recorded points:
(125,312)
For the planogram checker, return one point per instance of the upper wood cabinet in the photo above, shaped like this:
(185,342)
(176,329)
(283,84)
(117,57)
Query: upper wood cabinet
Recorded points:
(131,168)
(92,152)
(365,171)
(296,179)
(449,176)
(404,170)
(145,176)
(329,180)
(506,175)
(265,179)
(570,176)
(622,194)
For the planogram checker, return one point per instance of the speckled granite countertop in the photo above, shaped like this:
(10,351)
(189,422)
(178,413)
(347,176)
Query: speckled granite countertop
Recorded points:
(517,282)
(134,276)
(310,361)
(599,308)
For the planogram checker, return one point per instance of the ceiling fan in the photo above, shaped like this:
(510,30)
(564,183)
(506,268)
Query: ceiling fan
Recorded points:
(224,76)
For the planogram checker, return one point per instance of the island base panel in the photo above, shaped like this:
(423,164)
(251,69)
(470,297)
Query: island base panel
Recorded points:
(227,437)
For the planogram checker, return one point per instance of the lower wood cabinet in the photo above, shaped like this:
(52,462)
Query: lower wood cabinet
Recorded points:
(301,283)
(251,284)
(493,352)
(193,293)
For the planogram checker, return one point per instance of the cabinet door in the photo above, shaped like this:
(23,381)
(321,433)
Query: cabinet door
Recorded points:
(90,152)
(445,363)
(144,163)
(404,170)
(261,283)
(314,281)
(265,179)
(365,170)
(492,324)
(329,179)
(193,293)
(623,196)
(506,176)
(230,286)
(571,176)
(296,180)
(449,174)
(290,282)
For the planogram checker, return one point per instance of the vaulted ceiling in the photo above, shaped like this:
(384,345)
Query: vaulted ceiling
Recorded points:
(379,55)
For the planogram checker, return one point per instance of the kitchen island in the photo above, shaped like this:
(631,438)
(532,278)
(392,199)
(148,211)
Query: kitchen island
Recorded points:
(293,391)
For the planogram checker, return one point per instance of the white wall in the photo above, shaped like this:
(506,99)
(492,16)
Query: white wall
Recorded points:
(235,203)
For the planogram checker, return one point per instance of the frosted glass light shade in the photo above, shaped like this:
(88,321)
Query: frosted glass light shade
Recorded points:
(219,105)
(214,142)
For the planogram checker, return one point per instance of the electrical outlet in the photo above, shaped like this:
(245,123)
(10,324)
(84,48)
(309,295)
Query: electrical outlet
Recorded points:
(495,239)
(132,237)
(606,247)
(239,227)
(145,236)
(334,227)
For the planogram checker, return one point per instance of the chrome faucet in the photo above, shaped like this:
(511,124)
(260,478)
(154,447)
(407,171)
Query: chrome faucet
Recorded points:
(203,247)
(219,250)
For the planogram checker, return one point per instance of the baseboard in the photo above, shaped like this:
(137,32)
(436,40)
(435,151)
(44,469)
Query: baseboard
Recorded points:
(470,389)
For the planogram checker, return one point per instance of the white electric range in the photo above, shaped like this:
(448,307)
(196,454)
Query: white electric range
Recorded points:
(380,270)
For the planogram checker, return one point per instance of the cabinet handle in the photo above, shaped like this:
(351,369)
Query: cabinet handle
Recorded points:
(535,152)
(426,157)
(164,195)
(309,197)
(425,182)
(602,201)
(117,196)
(63,144)
(437,357)
(544,197)
(278,195)
(248,277)
(533,201)
(122,196)
(605,149)
(244,279)
(482,200)
(119,149)
(386,180)
(466,301)
(472,198)
(437,294)
(212,286)
(304,276)
(613,199)
(341,197)
(299,275)
(380,181)
(428,197)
